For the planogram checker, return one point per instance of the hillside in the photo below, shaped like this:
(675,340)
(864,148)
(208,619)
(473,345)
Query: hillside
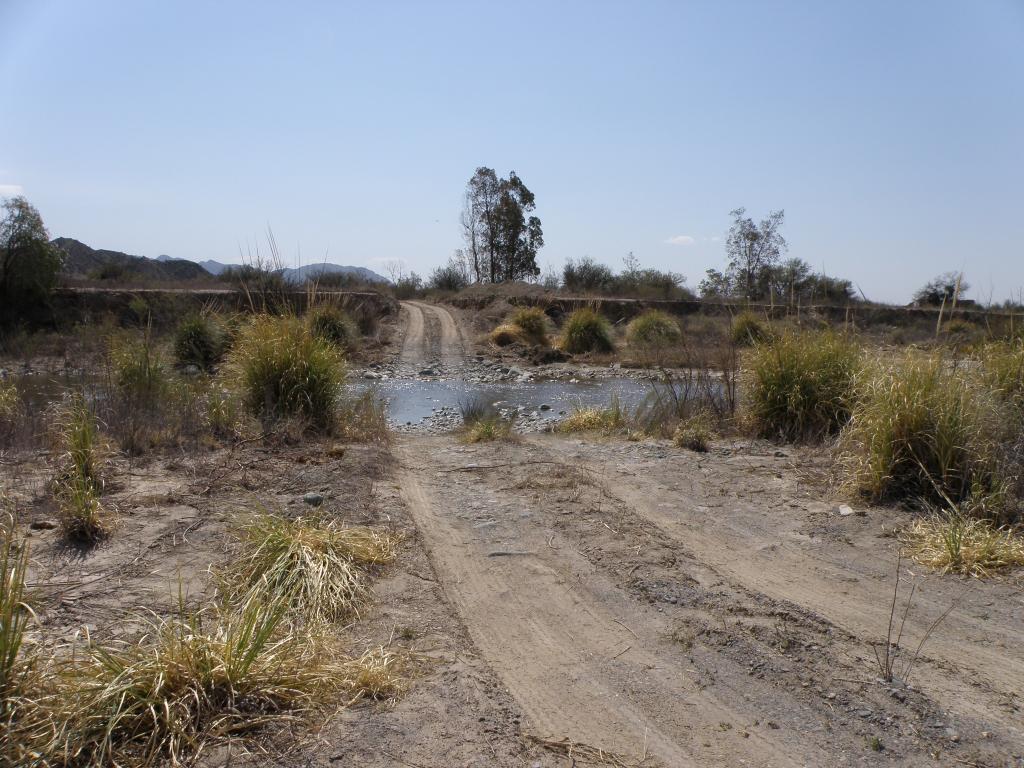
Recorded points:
(84,261)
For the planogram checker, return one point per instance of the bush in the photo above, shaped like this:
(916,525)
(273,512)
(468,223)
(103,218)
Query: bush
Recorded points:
(747,330)
(923,429)
(333,325)
(199,341)
(505,334)
(533,323)
(451,277)
(654,328)
(801,387)
(284,371)
(586,331)
(586,275)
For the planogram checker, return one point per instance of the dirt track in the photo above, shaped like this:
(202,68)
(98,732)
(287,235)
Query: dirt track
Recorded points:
(684,609)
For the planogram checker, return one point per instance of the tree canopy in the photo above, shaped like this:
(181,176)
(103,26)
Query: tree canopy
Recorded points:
(501,240)
(29,263)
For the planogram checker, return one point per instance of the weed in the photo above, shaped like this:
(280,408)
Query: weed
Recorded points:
(284,371)
(950,539)
(482,423)
(801,386)
(695,433)
(592,419)
(78,483)
(653,328)
(586,331)
(363,418)
(532,323)
(921,428)
(505,334)
(224,413)
(317,566)
(137,401)
(10,411)
(332,325)
(747,330)
(875,744)
(199,341)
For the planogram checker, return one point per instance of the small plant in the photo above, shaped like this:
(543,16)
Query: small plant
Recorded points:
(284,371)
(747,330)
(315,565)
(654,328)
(695,433)
(78,483)
(801,386)
(950,539)
(586,331)
(363,418)
(875,744)
(10,410)
(223,413)
(332,325)
(592,419)
(921,428)
(482,423)
(136,405)
(533,324)
(505,335)
(199,341)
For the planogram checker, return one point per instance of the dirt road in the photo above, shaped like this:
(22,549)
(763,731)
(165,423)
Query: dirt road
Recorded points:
(681,609)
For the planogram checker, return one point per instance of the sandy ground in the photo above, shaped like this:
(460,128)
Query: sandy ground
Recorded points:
(666,607)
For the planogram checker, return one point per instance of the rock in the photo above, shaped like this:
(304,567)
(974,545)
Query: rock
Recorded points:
(845,510)
(313,499)
(191,370)
(545,407)
(371,375)
(42,525)
(428,372)
(952,735)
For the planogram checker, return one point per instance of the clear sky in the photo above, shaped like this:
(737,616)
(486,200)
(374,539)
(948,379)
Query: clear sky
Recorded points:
(892,133)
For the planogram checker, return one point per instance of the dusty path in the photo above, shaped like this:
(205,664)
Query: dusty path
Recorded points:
(684,610)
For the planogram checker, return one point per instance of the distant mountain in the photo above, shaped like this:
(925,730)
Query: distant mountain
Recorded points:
(83,261)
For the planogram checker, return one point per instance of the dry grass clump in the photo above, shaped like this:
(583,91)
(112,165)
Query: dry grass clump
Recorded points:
(78,483)
(654,328)
(1002,365)
(586,331)
(363,418)
(187,680)
(922,428)
(284,371)
(315,565)
(378,674)
(136,404)
(331,324)
(748,329)
(532,323)
(951,540)
(482,423)
(694,433)
(199,340)
(505,334)
(10,410)
(801,386)
(593,419)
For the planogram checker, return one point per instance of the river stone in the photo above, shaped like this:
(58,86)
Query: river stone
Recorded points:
(313,498)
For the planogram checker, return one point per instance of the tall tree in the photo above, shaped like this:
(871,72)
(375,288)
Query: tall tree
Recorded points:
(754,248)
(501,240)
(29,263)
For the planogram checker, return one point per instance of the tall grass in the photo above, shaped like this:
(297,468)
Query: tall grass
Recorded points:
(199,340)
(653,328)
(482,423)
(331,324)
(315,565)
(586,331)
(801,387)
(533,324)
(923,427)
(10,411)
(594,419)
(747,330)
(1002,365)
(953,539)
(283,370)
(78,483)
(138,385)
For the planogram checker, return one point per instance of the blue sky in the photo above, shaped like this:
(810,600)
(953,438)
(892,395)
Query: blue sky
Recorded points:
(891,133)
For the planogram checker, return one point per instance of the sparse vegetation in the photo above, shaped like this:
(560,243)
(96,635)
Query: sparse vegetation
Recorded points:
(654,328)
(586,331)
(137,400)
(505,334)
(747,330)
(10,410)
(1002,365)
(284,371)
(314,564)
(482,423)
(593,419)
(952,539)
(78,484)
(694,434)
(801,386)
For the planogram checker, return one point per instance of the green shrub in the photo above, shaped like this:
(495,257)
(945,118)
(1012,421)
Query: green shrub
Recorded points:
(284,371)
(331,324)
(199,341)
(586,331)
(654,328)
(801,386)
(921,428)
(533,323)
(748,329)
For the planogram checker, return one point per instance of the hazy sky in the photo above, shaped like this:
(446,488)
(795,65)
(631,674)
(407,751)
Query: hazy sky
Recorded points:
(892,133)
